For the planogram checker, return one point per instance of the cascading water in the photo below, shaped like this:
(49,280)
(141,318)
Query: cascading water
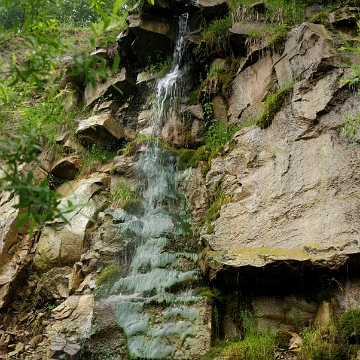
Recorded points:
(156,308)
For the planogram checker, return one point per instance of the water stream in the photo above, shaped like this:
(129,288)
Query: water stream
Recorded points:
(156,307)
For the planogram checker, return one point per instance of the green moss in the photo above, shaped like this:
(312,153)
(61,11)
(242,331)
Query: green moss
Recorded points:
(213,212)
(191,158)
(133,206)
(282,339)
(194,96)
(109,275)
(253,347)
(211,295)
(272,104)
(217,29)
(349,327)
(277,39)
(218,199)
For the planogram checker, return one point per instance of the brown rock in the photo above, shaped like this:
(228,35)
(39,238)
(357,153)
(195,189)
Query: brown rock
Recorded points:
(67,168)
(64,245)
(122,81)
(213,9)
(101,129)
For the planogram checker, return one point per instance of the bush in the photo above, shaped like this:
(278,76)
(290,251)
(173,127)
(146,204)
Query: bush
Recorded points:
(349,327)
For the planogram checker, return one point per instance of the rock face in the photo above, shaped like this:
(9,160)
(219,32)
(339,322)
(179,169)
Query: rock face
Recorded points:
(291,188)
(64,245)
(287,229)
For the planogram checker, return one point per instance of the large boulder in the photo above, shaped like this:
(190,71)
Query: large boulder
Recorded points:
(102,129)
(153,38)
(213,9)
(120,84)
(291,190)
(63,245)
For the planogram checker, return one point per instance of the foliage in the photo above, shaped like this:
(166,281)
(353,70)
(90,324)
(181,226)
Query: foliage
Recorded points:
(255,346)
(273,102)
(107,279)
(38,204)
(109,275)
(316,344)
(218,199)
(122,195)
(349,327)
(276,39)
(69,13)
(215,34)
(158,65)
(216,29)
(289,12)
(219,133)
(94,157)
(31,102)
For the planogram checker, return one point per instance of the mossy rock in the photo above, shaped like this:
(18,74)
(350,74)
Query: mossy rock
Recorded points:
(349,327)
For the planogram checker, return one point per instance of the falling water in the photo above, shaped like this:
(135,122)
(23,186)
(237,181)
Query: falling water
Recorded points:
(156,307)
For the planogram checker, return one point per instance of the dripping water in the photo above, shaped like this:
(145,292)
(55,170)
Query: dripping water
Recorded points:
(155,275)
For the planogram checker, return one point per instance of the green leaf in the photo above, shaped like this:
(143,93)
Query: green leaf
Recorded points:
(117,5)
(116,63)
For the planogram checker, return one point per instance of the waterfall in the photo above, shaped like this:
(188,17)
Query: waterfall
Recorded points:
(156,307)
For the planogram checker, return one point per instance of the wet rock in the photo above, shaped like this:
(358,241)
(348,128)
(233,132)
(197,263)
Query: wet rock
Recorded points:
(101,129)
(183,132)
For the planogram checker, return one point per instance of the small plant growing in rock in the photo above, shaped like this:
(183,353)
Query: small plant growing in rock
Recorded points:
(121,195)
(273,103)
(349,327)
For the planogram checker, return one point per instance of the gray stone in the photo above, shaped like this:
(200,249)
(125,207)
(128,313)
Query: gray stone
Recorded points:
(344,17)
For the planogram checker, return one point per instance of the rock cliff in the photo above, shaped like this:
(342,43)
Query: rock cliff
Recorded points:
(285,230)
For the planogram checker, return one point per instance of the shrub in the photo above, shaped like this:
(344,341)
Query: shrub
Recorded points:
(349,327)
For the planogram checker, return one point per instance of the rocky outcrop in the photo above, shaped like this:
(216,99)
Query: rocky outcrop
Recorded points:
(120,84)
(63,245)
(100,130)
(291,188)
(288,226)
